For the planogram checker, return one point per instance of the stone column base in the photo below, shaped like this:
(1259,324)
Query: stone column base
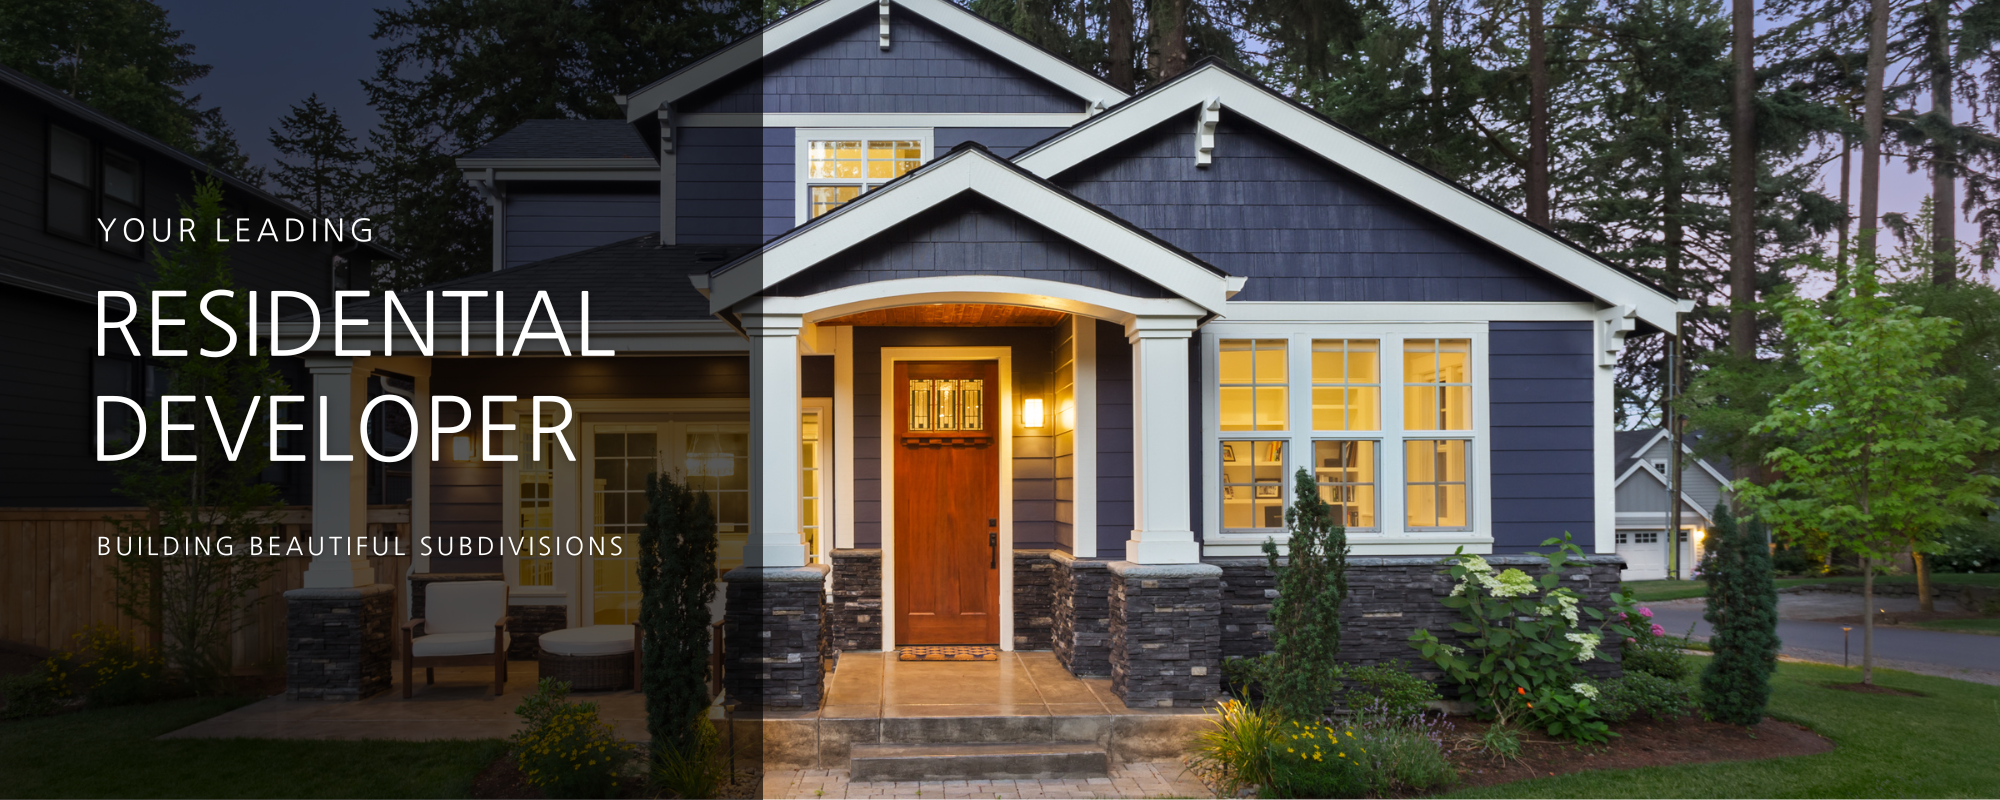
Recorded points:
(339,642)
(1081,627)
(856,617)
(1166,634)
(774,637)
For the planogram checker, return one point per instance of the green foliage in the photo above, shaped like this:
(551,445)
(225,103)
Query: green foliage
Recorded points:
(320,164)
(697,773)
(1501,741)
(1526,641)
(30,694)
(1236,752)
(564,750)
(1244,677)
(1302,678)
(677,583)
(1404,757)
(1388,693)
(1662,662)
(1971,546)
(198,598)
(1311,759)
(1644,694)
(1743,612)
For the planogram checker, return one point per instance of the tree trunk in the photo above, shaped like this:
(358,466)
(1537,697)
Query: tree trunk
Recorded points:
(1868,619)
(1170,37)
(1118,26)
(1846,204)
(1924,602)
(1944,157)
(1435,38)
(1871,125)
(1743,187)
(1538,118)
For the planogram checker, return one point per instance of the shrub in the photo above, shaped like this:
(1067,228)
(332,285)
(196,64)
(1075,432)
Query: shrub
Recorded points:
(1311,759)
(677,583)
(1244,677)
(1405,756)
(565,751)
(108,668)
(30,695)
(1236,753)
(1527,640)
(1302,678)
(1794,561)
(1391,694)
(1649,649)
(691,774)
(1644,694)
(1971,546)
(1743,612)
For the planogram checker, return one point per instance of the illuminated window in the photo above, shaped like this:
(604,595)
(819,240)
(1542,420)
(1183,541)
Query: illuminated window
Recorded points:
(810,491)
(1345,472)
(839,170)
(1435,483)
(1347,390)
(1253,385)
(536,506)
(717,462)
(1437,385)
(1253,485)
(622,457)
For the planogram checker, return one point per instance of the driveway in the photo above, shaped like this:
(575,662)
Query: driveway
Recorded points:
(1967,656)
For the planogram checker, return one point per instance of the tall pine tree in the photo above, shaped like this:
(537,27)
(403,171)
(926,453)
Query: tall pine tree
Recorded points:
(1305,618)
(320,164)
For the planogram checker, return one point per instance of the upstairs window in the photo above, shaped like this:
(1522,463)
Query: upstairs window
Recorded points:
(838,166)
(72,182)
(120,202)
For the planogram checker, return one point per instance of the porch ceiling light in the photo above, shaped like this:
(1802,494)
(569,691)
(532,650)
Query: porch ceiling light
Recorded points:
(1031,413)
(461,448)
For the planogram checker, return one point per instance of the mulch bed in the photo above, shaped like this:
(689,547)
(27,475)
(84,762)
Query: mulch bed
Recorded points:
(503,779)
(1688,740)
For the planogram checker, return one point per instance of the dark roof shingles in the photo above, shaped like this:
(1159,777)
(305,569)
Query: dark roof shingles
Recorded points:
(567,138)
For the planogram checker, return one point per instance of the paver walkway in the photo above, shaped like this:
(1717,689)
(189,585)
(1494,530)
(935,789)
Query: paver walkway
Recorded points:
(1136,780)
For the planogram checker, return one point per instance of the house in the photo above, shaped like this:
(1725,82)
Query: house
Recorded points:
(67,170)
(970,348)
(1642,489)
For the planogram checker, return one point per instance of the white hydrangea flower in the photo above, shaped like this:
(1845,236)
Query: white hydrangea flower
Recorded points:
(1511,583)
(1589,642)
(1564,603)
(1584,689)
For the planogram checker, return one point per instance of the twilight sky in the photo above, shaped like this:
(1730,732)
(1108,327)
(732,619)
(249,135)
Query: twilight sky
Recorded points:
(270,55)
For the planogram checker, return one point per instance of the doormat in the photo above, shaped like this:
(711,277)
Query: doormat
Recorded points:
(948,652)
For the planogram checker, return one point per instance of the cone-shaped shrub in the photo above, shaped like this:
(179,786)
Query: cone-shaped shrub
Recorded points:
(1743,612)
(676,583)
(1305,617)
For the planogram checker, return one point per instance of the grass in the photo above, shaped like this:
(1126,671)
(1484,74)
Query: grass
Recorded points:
(1990,627)
(112,753)
(1939,745)
(1654,591)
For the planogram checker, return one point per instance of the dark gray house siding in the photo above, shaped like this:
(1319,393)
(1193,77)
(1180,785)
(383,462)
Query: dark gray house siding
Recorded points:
(734,185)
(967,236)
(844,70)
(1034,449)
(1004,142)
(1114,440)
(1541,424)
(1300,228)
(554,221)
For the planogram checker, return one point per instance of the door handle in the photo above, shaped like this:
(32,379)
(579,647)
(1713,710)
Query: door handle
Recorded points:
(993,541)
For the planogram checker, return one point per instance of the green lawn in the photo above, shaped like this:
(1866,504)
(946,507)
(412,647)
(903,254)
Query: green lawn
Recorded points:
(1990,627)
(1677,590)
(112,753)
(1940,745)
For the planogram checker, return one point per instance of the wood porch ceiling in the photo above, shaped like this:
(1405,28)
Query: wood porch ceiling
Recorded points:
(952,315)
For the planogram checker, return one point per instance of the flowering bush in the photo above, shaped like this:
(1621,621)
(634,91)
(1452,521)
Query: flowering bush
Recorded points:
(1402,755)
(1648,649)
(1314,760)
(106,667)
(1528,638)
(565,751)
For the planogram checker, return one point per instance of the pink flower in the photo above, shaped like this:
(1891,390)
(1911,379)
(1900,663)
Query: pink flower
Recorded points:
(1630,640)
(1645,612)
(1659,631)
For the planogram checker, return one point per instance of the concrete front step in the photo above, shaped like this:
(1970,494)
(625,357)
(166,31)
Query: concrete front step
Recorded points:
(1009,761)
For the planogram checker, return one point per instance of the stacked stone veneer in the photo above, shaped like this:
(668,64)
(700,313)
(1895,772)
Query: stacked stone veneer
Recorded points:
(1034,599)
(856,615)
(1388,598)
(1081,620)
(1166,634)
(774,642)
(338,642)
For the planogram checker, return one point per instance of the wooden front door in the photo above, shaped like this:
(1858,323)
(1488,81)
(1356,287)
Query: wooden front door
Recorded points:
(947,496)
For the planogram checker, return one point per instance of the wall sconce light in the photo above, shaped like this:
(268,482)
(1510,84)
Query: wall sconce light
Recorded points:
(1031,413)
(462,449)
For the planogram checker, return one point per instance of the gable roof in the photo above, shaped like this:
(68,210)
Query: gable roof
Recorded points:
(1240,94)
(1633,445)
(567,138)
(971,168)
(796,27)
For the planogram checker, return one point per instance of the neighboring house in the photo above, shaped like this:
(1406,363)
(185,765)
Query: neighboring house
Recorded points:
(63,168)
(1642,465)
(924,306)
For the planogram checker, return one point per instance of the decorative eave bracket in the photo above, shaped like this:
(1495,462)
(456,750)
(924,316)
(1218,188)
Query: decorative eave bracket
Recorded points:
(1612,325)
(1204,131)
(666,113)
(882,13)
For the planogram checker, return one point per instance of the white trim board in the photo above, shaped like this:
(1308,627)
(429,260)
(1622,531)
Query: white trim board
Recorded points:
(1365,159)
(983,173)
(887,442)
(794,28)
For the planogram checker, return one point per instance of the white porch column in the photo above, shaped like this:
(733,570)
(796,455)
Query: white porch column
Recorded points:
(1164,532)
(774,441)
(340,488)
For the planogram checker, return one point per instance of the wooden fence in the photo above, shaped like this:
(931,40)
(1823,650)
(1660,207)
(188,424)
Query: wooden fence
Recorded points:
(58,585)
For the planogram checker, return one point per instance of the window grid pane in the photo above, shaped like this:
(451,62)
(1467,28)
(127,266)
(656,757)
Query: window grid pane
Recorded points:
(841,170)
(1435,481)
(1347,393)
(1437,385)
(1254,392)
(1253,484)
(718,463)
(537,507)
(809,499)
(1345,472)
(618,514)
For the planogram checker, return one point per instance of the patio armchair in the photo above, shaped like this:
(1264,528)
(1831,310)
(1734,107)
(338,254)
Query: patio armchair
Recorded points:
(456,629)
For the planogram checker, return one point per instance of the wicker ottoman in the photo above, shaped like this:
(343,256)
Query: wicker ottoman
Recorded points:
(592,659)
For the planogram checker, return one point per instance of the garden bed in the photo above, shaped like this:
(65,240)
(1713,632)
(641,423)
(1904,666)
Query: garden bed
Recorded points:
(1679,742)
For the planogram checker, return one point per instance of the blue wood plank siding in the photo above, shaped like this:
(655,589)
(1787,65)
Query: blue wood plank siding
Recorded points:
(1004,142)
(548,224)
(1541,424)
(1114,440)
(967,236)
(733,185)
(926,70)
(1034,449)
(1299,227)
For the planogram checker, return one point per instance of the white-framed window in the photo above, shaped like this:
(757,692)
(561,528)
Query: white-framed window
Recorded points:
(835,166)
(1622,538)
(813,508)
(1386,417)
